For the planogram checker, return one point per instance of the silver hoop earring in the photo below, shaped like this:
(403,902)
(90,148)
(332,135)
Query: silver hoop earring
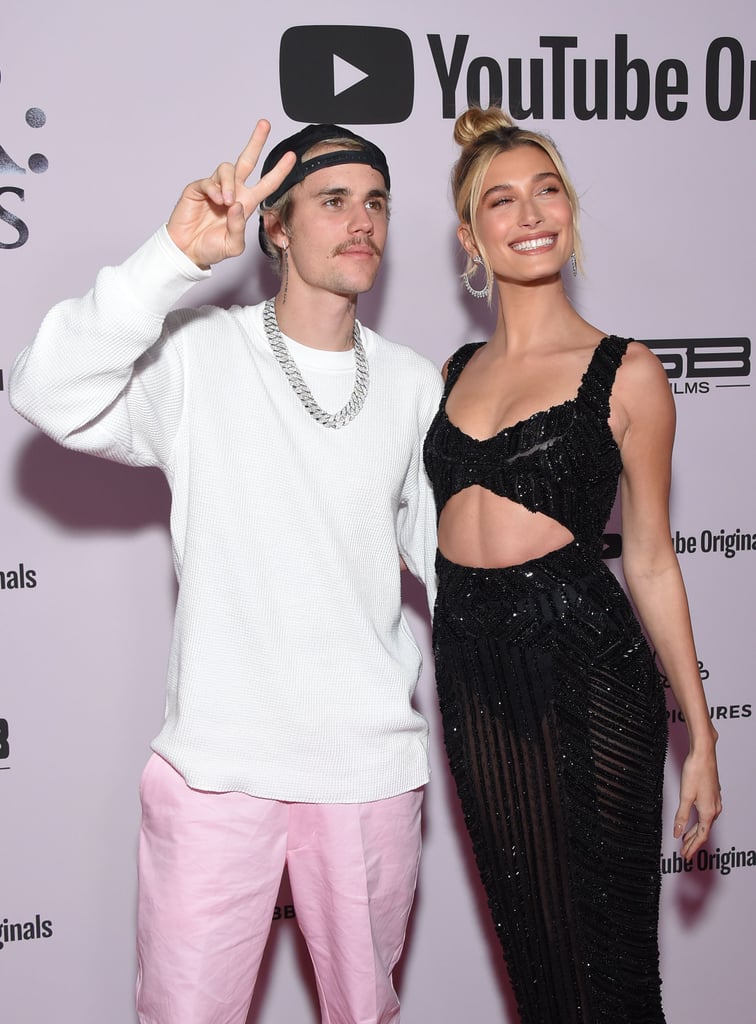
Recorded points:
(573,263)
(477,293)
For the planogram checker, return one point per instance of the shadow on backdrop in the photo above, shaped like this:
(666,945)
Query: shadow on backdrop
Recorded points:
(82,492)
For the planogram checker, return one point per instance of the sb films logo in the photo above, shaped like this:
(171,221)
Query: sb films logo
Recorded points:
(696,365)
(4,744)
(346,74)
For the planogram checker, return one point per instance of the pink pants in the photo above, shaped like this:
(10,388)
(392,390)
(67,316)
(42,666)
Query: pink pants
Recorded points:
(210,865)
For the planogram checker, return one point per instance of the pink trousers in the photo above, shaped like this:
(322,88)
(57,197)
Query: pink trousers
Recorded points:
(210,865)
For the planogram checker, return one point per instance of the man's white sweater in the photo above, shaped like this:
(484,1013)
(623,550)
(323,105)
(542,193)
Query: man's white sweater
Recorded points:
(292,667)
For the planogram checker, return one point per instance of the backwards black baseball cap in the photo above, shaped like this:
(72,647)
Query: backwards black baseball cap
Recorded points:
(302,142)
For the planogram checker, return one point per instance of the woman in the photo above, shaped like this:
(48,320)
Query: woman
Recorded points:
(553,710)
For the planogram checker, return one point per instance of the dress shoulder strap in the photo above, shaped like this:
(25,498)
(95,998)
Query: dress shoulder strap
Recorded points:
(458,362)
(598,381)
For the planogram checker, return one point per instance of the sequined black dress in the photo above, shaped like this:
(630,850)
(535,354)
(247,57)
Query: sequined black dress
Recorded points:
(554,717)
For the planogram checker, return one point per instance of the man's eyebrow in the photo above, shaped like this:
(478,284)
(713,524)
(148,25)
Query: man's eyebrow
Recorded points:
(340,190)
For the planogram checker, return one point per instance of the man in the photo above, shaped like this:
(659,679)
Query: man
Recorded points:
(291,438)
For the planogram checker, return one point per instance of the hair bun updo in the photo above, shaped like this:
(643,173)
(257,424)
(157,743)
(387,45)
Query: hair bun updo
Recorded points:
(475,122)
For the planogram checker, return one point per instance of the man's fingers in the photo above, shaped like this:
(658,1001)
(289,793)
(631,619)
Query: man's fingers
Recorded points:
(226,184)
(218,187)
(225,177)
(252,197)
(247,159)
(270,181)
(236,223)
(208,222)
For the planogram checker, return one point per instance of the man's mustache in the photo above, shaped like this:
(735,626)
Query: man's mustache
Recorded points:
(363,242)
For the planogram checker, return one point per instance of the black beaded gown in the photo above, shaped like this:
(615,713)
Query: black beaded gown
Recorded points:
(554,717)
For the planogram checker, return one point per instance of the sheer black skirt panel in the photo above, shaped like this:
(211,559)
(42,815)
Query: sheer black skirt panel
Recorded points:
(555,726)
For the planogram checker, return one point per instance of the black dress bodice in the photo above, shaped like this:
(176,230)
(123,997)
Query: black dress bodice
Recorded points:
(562,461)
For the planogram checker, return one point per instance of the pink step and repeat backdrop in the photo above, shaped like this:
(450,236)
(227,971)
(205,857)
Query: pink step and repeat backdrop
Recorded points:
(106,111)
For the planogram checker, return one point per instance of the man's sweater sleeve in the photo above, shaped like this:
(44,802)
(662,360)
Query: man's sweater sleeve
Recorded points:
(417,515)
(103,374)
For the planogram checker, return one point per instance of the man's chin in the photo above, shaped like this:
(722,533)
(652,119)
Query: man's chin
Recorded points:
(356,284)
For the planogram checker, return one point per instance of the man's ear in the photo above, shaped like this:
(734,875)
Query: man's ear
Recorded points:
(275,230)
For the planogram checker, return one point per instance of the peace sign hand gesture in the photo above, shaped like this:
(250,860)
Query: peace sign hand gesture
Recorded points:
(210,218)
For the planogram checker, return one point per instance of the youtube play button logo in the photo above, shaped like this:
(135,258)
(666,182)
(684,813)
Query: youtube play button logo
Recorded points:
(346,74)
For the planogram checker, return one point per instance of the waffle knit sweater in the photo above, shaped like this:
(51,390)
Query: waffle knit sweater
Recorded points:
(292,666)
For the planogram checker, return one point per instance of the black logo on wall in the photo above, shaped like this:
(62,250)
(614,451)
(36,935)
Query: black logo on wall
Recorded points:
(622,85)
(717,712)
(18,578)
(23,931)
(284,912)
(346,74)
(695,365)
(721,861)
(729,544)
(611,545)
(359,74)
(11,195)
(4,744)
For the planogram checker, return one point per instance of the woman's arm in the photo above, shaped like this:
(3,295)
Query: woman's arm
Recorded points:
(647,414)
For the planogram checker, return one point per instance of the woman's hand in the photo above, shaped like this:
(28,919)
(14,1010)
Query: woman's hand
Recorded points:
(699,788)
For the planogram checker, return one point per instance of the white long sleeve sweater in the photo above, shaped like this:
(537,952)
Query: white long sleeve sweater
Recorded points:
(292,667)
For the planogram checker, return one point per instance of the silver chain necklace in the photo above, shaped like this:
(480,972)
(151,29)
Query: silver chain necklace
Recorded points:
(359,391)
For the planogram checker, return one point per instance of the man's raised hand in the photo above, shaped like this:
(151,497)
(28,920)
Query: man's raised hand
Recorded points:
(210,218)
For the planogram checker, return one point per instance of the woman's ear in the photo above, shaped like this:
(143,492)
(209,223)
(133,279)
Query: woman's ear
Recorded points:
(466,240)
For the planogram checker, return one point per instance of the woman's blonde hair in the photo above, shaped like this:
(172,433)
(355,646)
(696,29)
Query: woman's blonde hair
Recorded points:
(482,135)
